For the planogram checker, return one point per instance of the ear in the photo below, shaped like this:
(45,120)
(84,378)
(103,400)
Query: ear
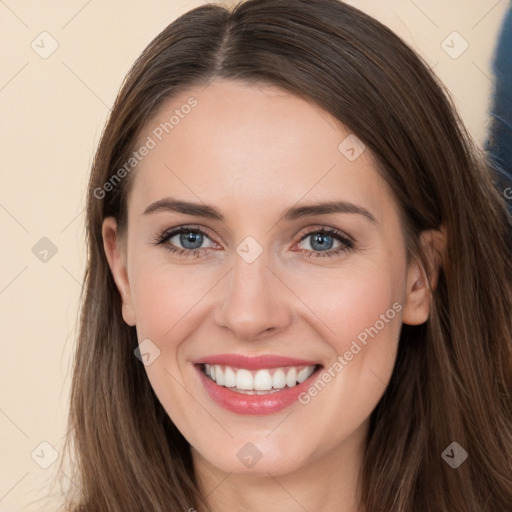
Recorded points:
(421,282)
(115,252)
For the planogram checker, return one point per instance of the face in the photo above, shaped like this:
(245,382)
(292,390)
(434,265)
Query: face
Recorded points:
(293,309)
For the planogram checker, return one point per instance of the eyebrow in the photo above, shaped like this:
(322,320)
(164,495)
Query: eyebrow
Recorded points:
(202,210)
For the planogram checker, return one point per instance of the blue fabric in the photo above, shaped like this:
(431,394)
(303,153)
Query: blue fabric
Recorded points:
(499,144)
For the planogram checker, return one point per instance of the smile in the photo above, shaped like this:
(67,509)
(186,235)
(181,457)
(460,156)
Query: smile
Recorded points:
(258,385)
(257,382)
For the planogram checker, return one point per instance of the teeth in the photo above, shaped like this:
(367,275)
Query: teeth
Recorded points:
(291,377)
(244,380)
(253,392)
(263,380)
(305,373)
(229,377)
(259,382)
(279,379)
(219,376)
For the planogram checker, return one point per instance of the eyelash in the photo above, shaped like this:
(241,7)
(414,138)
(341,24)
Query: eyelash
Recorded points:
(348,244)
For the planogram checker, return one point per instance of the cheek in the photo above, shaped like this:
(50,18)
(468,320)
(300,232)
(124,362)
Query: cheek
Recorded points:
(165,297)
(167,301)
(347,304)
(359,316)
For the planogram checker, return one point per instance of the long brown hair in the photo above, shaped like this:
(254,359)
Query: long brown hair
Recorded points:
(452,379)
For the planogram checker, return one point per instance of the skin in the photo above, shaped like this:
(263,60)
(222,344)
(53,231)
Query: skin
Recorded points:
(251,152)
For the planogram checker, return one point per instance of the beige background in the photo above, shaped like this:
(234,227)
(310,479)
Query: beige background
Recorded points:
(52,113)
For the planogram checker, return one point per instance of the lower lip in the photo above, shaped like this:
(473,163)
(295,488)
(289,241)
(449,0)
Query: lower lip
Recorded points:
(253,404)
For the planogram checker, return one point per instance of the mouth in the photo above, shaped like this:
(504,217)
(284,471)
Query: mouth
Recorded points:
(258,382)
(256,386)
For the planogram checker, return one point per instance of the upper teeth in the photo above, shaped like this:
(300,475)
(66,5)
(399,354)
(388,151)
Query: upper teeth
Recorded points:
(258,380)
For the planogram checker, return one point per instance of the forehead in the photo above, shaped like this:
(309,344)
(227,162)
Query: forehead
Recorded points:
(252,145)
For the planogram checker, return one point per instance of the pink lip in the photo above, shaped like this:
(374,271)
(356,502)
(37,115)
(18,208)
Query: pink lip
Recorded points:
(253,362)
(252,405)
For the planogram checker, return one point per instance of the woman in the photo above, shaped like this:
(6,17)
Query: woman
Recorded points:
(298,290)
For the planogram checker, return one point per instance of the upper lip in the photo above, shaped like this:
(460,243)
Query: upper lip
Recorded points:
(254,362)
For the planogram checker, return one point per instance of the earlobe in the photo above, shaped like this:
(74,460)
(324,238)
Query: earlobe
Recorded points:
(117,264)
(422,279)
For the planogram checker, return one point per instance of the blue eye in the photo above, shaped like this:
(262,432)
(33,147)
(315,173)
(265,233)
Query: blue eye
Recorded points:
(322,241)
(191,239)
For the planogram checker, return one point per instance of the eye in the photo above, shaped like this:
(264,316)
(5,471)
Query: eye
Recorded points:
(184,240)
(321,242)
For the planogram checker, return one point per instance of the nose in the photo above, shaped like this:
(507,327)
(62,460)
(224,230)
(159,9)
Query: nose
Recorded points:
(256,303)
